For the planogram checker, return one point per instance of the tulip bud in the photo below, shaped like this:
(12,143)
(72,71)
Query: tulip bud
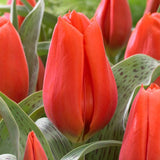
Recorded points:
(40,75)
(141,138)
(145,38)
(18,2)
(152,6)
(79,91)
(114,18)
(14,76)
(34,150)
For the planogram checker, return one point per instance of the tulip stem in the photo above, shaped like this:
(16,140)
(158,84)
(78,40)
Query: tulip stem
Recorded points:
(114,56)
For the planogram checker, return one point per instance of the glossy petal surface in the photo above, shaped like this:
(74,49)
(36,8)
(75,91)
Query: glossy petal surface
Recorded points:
(14,76)
(145,37)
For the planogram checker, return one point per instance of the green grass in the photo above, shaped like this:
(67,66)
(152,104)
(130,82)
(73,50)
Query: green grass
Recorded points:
(3,2)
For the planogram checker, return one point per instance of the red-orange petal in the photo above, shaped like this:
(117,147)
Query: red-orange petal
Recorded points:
(62,90)
(144,38)
(34,150)
(104,90)
(14,76)
(135,137)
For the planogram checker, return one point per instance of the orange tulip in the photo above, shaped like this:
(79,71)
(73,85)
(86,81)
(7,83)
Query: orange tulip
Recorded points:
(34,150)
(114,18)
(14,76)
(152,6)
(146,37)
(18,2)
(79,92)
(141,138)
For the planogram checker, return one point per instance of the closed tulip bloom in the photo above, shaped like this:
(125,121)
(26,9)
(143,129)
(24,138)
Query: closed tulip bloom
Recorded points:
(146,37)
(79,91)
(34,150)
(19,2)
(14,76)
(141,139)
(114,18)
(152,6)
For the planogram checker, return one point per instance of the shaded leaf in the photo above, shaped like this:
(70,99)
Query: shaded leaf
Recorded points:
(43,48)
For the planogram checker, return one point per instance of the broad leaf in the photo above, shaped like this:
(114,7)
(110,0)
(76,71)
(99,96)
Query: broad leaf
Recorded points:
(59,144)
(29,33)
(12,127)
(7,157)
(32,102)
(82,150)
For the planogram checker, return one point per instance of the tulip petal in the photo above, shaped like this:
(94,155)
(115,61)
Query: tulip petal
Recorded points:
(34,150)
(145,37)
(152,6)
(63,79)
(14,76)
(102,80)
(120,27)
(153,147)
(78,20)
(135,137)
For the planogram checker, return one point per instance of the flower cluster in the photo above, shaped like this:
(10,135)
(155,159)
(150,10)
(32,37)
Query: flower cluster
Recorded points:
(97,86)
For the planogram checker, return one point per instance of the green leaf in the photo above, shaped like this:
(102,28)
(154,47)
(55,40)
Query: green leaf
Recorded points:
(7,157)
(28,6)
(43,48)
(59,144)
(21,10)
(29,33)
(81,151)
(32,102)
(13,15)
(49,19)
(33,106)
(129,75)
(25,125)
(11,125)
(38,113)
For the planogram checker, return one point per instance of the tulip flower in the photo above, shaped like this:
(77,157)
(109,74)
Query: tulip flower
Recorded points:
(14,76)
(34,150)
(18,2)
(145,38)
(114,18)
(79,91)
(40,75)
(141,138)
(152,6)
